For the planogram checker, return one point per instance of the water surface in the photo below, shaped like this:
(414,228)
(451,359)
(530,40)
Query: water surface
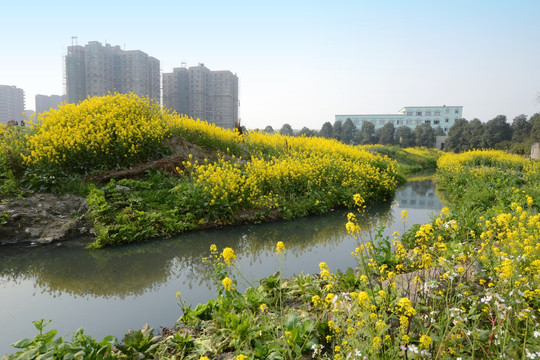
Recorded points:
(111,290)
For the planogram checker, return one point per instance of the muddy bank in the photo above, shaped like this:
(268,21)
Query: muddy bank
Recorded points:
(43,218)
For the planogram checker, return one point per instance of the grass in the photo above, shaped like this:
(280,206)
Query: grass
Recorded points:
(452,288)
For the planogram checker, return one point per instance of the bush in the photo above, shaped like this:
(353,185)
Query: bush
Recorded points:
(99,133)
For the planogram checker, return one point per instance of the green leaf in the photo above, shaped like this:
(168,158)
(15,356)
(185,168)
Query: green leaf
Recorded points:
(21,344)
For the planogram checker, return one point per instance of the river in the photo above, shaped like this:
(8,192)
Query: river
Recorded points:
(111,290)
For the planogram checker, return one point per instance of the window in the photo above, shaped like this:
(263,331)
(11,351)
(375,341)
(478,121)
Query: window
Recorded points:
(446,120)
(409,113)
(418,121)
(398,122)
(427,122)
(446,129)
(436,122)
(428,113)
(448,111)
(418,113)
(410,121)
(456,111)
(437,113)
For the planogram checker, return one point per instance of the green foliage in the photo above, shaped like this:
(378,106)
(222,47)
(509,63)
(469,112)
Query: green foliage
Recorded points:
(382,248)
(46,346)
(140,344)
(99,133)
(410,160)
(424,136)
(405,136)
(286,130)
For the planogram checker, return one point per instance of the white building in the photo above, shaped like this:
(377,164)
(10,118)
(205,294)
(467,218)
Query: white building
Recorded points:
(203,94)
(11,104)
(411,116)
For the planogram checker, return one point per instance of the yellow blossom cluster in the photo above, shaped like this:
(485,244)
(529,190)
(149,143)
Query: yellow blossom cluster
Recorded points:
(106,131)
(228,256)
(280,248)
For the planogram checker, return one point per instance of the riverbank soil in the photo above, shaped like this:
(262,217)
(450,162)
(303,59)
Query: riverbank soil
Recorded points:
(43,218)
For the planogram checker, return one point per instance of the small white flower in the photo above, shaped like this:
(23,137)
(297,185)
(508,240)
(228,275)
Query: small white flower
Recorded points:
(536,334)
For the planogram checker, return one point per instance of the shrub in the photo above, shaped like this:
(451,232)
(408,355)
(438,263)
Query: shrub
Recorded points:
(99,133)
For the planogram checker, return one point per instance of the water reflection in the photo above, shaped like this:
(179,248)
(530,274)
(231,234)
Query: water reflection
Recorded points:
(419,195)
(109,291)
(133,270)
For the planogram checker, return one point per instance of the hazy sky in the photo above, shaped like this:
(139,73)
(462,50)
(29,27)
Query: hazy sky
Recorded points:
(301,62)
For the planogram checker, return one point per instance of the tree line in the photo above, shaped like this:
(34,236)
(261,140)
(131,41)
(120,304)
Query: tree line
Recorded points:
(497,133)
(348,133)
(464,135)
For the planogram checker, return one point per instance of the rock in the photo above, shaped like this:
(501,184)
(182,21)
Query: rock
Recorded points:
(412,285)
(44,218)
(122,188)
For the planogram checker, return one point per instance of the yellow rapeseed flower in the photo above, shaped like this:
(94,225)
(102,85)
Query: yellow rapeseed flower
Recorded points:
(227,284)
(280,247)
(228,255)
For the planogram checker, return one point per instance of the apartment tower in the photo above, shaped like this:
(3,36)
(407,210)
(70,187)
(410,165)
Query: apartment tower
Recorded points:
(202,94)
(11,104)
(95,70)
(48,102)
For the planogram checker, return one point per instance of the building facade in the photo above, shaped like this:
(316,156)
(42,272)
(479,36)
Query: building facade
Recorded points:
(411,116)
(11,104)
(202,94)
(535,151)
(96,69)
(48,102)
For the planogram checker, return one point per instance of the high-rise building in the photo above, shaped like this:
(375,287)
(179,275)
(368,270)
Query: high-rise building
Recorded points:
(11,104)
(48,102)
(202,94)
(95,70)
(75,74)
(411,116)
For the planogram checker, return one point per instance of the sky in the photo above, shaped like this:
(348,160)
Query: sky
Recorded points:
(301,62)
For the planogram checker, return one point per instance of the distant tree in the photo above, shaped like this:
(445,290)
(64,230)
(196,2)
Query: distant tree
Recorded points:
(327,130)
(496,131)
(439,131)
(268,129)
(387,134)
(520,128)
(474,134)
(457,138)
(366,135)
(307,132)
(424,135)
(286,129)
(535,128)
(338,127)
(347,132)
(405,136)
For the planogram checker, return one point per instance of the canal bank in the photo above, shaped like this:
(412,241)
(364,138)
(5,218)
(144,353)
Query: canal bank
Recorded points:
(111,290)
